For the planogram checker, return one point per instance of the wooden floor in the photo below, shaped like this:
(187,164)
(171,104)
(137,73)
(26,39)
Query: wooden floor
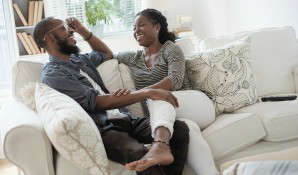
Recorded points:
(7,168)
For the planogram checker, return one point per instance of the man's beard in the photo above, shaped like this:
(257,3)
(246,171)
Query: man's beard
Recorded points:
(66,48)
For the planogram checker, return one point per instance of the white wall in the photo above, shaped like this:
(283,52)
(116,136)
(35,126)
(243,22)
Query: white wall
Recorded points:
(252,14)
(219,17)
(209,17)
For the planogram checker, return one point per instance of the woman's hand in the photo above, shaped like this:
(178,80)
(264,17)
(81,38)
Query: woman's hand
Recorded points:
(121,92)
(160,94)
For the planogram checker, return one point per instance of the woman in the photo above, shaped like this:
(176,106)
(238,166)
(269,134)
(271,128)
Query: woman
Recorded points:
(161,65)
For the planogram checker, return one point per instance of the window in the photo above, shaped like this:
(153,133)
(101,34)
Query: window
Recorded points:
(117,14)
(6,55)
(121,15)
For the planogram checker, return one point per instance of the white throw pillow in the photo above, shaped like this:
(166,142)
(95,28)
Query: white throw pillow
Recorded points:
(225,75)
(274,48)
(70,129)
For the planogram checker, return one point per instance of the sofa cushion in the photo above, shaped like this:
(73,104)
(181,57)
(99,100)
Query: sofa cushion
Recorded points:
(233,132)
(70,129)
(274,47)
(263,168)
(128,83)
(280,119)
(225,75)
(65,167)
(117,76)
(285,154)
(24,72)
(110,74)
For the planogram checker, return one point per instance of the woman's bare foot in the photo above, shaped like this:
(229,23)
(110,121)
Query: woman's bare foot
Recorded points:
(159,154)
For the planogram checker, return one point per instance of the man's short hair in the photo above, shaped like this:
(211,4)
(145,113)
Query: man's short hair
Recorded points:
(40,31)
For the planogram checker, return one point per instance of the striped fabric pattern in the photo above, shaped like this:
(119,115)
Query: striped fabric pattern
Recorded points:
(170,63)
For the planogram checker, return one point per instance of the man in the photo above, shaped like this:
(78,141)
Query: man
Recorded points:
(123,134)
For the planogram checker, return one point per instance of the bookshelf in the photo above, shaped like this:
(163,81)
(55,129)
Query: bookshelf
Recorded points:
(27,13)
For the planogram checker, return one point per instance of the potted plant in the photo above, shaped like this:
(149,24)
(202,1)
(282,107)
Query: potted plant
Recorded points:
(98,13)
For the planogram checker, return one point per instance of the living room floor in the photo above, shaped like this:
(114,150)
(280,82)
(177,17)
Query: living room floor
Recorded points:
(7,168)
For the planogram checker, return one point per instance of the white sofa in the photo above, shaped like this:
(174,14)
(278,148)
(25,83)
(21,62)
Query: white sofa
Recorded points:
(260,128)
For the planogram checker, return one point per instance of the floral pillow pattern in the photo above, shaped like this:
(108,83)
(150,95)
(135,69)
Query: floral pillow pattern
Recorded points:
(225,75)
(70,129)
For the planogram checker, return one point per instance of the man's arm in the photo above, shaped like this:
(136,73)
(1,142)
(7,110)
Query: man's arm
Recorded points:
(105,102)
(90,99)
(94,42)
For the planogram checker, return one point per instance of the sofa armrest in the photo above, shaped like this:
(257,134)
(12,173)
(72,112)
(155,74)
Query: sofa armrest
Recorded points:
(296,78)
(24,141)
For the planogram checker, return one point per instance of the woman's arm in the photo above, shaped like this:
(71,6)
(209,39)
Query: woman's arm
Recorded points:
(125,57)
(176,69)
(165,84)
(106,102)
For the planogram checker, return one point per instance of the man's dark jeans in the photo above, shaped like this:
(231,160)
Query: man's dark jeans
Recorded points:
(125,143)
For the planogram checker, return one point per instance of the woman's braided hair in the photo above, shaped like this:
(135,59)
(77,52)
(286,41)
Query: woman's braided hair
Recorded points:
(155,17)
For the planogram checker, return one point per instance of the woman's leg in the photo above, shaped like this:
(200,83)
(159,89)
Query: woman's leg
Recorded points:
(199,156)
(196,106)
(197,111)
(193,105)
(162,114)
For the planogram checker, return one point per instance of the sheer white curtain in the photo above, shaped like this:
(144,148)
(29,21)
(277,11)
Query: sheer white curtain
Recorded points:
(7,55)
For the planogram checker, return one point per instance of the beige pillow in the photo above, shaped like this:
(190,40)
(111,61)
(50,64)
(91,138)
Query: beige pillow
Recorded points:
(70,129)
(128,83)
(117,76)
(225,75)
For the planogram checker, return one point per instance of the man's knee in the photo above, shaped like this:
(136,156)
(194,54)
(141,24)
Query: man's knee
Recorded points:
(122,148)
(181,132)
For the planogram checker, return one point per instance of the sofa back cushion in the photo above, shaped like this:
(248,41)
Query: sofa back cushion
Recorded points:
(24,72)
(274,53)
(117,76)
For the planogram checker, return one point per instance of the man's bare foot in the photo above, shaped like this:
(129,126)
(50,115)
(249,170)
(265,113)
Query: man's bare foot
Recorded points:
(159,154)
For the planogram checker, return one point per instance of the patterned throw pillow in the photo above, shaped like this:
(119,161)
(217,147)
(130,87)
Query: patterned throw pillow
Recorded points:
(225,75)
(70,129)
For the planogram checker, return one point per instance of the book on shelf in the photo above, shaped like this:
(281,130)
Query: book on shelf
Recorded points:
(34,44)
(28,43)
(40,8)
(35,13)
(27,40)
(20,36)
(20,14)
(31,13)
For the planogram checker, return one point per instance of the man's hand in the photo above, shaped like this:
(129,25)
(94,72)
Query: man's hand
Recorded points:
(121,92)
(77,26)
(160,94)
(93,41)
